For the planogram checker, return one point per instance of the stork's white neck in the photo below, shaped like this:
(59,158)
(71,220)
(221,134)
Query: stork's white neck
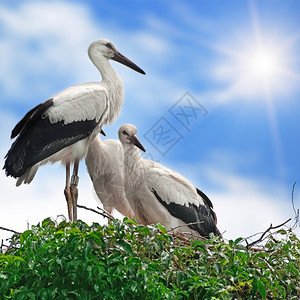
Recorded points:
(132,156)
(113,84)
(102,64)
(134,168)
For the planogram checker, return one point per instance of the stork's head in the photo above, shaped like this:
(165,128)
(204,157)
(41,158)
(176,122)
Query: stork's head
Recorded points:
(127,136)
(105,48)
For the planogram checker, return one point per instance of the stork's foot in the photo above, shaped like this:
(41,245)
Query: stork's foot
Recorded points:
(69,200)
(74,194)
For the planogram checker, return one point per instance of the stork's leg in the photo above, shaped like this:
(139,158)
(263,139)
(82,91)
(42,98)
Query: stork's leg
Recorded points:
(109,210)
(74,189)
(67,192)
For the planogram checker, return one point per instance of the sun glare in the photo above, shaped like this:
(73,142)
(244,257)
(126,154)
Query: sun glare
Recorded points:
(262,65)
(256,68)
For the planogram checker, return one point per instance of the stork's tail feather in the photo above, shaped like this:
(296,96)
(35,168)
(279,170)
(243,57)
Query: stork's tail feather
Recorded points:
(28,176)
(14,161)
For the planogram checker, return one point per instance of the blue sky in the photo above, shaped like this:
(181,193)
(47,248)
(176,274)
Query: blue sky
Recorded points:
(238,60)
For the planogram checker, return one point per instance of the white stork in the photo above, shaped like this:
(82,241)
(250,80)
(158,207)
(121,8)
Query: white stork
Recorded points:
(105,165)
(61,128)
(160,195)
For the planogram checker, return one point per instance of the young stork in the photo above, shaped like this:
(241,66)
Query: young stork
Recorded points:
(61,128)
(105,165)
(160,195)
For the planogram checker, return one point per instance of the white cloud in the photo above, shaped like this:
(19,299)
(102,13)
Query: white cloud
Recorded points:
(247,206)
(44,40)
(45,46)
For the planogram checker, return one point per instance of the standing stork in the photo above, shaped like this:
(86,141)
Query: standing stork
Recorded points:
(160,195)
(105,165)
(61,128)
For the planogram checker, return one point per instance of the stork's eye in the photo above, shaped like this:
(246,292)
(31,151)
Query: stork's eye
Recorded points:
(108,45)
(125,133)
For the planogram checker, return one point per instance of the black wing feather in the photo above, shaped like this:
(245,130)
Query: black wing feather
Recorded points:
(30,116)
(197,218)
(208,203)
(39,138)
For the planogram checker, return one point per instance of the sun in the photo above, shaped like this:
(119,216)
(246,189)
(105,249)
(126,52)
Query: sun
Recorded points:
(261,66)
(255,67)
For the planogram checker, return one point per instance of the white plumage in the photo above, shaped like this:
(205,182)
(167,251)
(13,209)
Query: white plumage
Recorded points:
(61,128)
(68,107)
(105,165)
(160,195)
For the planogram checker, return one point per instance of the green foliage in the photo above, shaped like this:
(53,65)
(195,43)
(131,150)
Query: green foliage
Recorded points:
(126,261)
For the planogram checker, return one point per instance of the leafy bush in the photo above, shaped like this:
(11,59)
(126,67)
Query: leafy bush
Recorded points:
(126,261)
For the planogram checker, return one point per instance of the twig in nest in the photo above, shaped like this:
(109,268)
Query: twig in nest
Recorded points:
(185,238)
(2,247)
(264,233)
(181,239)
(295,211)
(3,228)
(103,214)
(107,214)
(188,224)
(188,236)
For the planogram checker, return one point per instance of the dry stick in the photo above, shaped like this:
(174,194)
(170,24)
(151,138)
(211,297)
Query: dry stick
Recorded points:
(295,211)
(193,223)
(3,228)
(186,236)
(181,240)
(97,212)
(107,214)
(264,233)
(2,245)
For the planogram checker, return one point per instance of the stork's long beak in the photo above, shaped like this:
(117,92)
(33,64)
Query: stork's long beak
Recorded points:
(127,62)
(135,141)
(102,132)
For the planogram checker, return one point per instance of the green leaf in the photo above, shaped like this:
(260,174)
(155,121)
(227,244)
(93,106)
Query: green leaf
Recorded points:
(293,269)
(162,228)
(24,236)
(124,261)
(48,223)
(282,231)
(238,240)
(124,246)
(31,264)
(130,221)
(262,290)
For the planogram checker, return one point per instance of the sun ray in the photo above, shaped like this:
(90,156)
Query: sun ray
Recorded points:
(259,65)
(268,63)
